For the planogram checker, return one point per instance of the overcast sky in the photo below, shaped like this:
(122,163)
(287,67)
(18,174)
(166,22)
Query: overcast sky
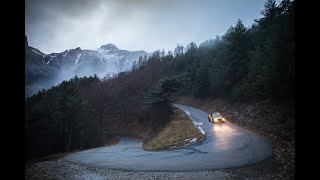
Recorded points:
(57,25)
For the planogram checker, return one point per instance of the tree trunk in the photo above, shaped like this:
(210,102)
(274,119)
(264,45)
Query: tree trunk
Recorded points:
(69,141)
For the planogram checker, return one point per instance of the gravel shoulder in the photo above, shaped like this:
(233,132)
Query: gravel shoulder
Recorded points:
(60,169)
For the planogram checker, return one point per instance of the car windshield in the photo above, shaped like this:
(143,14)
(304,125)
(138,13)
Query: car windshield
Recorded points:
(216,115)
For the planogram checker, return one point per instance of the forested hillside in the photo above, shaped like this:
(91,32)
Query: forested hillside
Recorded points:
(245,63)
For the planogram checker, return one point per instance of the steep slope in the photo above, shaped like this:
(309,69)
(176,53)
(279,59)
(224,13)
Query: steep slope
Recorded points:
(36,68)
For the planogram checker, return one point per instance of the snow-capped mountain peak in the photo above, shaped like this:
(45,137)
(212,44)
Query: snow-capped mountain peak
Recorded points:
(110,47)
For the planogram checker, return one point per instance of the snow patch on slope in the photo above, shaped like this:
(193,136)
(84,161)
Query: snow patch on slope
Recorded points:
(65,53)
(51,57)
(78,57)
(118,66)
(43,55)
(189,141)
(102,51)
(195,123)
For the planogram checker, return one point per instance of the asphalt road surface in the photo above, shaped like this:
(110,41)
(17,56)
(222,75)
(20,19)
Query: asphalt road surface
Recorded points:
(226,145)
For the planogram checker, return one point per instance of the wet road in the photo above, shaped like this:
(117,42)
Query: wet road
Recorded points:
(226,145)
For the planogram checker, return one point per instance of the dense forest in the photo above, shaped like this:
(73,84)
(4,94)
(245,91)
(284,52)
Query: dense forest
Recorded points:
(246,63)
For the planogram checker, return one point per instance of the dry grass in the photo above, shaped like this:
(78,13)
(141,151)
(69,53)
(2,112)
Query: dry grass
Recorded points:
(174,133)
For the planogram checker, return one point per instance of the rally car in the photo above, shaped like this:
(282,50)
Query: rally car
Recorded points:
(216,118)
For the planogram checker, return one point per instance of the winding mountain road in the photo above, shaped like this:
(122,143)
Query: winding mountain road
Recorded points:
(226,145)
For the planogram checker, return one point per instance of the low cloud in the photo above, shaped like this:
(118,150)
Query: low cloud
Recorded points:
(54,26)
